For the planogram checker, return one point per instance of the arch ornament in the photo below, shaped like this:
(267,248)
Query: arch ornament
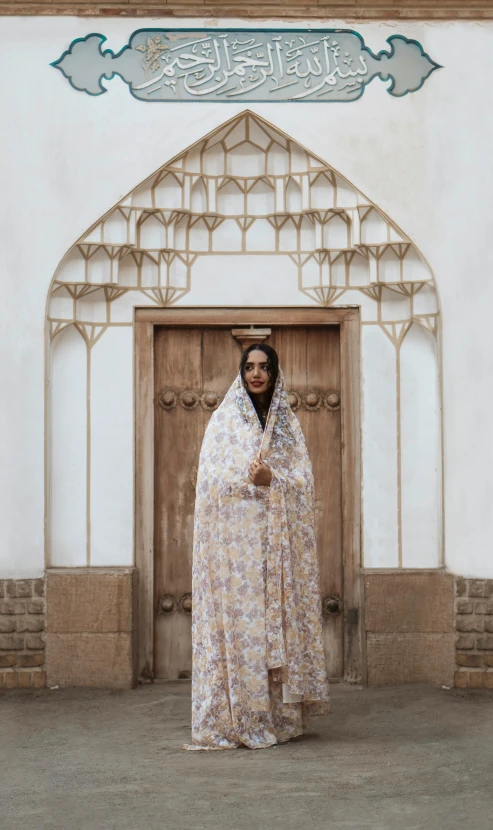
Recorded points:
(248,190)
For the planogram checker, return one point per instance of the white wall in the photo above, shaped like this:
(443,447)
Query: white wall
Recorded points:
(424,159)
(240,261)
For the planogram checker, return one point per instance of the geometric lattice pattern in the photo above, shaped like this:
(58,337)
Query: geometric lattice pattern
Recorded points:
(246,189)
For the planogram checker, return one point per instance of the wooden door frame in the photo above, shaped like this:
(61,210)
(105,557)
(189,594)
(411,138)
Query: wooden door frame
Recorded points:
(349,321)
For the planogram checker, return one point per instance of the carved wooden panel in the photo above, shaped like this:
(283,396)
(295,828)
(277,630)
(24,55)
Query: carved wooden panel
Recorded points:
(194,368)
(189,399)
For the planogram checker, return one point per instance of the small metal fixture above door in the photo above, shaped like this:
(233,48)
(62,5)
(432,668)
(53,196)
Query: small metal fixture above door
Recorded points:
(246,337)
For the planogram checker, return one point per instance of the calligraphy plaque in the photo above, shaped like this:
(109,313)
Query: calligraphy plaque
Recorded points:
(251,65)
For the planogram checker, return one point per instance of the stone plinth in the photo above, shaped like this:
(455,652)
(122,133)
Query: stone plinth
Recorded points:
(91,627)
(409,623)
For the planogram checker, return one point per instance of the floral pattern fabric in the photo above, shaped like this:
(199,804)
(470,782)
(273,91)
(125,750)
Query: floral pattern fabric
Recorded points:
(256,628)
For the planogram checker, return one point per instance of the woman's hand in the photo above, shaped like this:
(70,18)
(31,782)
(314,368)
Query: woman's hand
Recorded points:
(260,474)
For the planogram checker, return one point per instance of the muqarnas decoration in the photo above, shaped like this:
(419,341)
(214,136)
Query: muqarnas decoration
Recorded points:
(248,65)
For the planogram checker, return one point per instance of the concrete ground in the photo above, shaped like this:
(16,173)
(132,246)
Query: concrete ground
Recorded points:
(410,757)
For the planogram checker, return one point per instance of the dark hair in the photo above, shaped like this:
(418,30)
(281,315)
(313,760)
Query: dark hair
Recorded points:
(272,361)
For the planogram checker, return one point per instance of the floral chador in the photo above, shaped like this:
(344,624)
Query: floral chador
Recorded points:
(258,658)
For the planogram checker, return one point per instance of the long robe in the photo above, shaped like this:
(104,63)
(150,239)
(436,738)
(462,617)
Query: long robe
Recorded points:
(258,658)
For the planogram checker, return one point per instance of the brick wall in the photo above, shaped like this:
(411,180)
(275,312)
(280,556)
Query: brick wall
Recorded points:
(260,9)
(474,633)
(22,644)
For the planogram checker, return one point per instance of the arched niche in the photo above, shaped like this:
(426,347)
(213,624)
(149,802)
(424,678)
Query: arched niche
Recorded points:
(246,216)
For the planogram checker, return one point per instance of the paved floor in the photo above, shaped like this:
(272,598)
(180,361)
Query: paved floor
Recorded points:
(412,757)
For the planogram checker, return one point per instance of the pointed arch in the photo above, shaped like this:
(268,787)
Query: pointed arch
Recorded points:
(249,190)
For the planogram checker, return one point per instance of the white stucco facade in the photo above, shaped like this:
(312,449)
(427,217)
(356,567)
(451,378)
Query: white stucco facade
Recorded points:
(423,160)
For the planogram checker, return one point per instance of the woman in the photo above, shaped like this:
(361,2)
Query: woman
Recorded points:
(258,659)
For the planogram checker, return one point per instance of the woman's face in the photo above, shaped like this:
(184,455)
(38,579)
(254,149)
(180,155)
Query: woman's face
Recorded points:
(256,374)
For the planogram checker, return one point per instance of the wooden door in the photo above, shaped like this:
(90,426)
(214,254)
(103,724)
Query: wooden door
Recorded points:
(194,368)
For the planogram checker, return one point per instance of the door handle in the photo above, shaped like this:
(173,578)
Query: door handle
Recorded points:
(331,606)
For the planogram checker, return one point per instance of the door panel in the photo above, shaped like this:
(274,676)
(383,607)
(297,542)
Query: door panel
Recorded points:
(312,360)
(176,437)
(203,360)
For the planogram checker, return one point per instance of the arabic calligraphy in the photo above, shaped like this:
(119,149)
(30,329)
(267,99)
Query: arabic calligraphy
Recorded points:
(248,65)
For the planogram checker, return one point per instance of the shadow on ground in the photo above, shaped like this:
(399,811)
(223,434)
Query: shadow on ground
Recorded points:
(410,757)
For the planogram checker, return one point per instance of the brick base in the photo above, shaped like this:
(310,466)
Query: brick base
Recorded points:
(92,631)
(326,10)
(474,633)
(22,643)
